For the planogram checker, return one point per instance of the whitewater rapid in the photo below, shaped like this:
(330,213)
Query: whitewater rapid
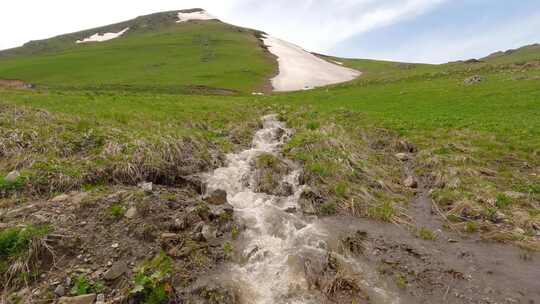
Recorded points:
(276,240)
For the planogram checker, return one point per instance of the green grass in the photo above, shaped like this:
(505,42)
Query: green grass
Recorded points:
(345,135)
(178,58)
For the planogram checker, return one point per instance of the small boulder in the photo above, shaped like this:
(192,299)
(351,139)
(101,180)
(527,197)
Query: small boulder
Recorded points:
(515,195)
(12,176)
(147,187)
(84,299)
(60,198)
(410,182)
(309,202)
(116,270)
(216,197)
(209,232)
(100,299)
(60,290)
(131,213)
(402,156)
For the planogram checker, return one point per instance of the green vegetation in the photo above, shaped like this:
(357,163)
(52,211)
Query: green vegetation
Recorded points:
(426,234)
(20,251)
(84,286)
(151,283)
(194,57)
(471,144)
(117,211)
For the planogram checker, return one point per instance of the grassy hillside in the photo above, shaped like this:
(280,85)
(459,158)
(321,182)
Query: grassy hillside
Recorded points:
(472,147)
(156,54)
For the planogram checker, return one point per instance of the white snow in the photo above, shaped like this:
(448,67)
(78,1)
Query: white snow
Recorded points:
(97,37)
(301,70)
(200,15)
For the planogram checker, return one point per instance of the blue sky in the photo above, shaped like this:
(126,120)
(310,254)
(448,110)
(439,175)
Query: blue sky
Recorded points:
(433,31)
(454,30)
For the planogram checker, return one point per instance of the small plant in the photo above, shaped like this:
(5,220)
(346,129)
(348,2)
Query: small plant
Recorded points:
(312,125)
(117,211)
(471,227)
(8,186)
(341,189)
(234,232)
(427,234)
(328,208)
(384,212)
(151,283)
(20,252)
(401,281)
(81,287)
(227,249)
(503,201)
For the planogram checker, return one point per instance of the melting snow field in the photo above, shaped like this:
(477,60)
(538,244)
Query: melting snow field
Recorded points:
(97,37)
(200,15)
(301,70)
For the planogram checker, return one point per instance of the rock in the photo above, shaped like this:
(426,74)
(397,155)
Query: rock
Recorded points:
(410,182)
(115,245)
(209,232)
(217,197)
(60,290)
(402,156)
(4,225)
(12,176)
(219,211)
(515,195)
(100,299)
(498,217)
(473,80)
(169,237)
(146,187)
(131,213)
(60,198)
(405,146)
(116,270)
(79,197)
(85,299)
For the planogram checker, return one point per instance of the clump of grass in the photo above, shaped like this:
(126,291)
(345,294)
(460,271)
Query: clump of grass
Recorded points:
(503,201)
(471,227)
(151,283)
(328,208)
(312,125)
(21,250)
(7,187)
(117,211)
(227,249)
(384,211)
(427,234)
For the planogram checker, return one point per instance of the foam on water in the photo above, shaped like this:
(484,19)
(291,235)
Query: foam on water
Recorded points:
(274,240)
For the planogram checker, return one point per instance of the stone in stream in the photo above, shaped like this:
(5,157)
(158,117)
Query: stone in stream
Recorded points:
(217,197)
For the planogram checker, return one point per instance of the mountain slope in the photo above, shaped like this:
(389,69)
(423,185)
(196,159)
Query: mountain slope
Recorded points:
(155,53)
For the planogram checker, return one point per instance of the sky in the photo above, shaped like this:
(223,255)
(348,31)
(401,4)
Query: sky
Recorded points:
(431,31)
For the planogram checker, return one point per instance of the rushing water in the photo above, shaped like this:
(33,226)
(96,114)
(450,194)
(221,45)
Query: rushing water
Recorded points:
(276,241)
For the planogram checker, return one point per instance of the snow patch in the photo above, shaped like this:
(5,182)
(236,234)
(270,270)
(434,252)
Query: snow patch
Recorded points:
(97,37)
(200,15)
(301,70)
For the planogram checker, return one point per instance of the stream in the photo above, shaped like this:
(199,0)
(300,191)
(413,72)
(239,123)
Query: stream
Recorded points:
(281,250)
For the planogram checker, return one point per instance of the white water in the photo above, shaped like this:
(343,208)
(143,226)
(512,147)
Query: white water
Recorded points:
(275,242)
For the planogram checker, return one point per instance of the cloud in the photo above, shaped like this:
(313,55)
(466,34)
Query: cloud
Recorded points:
(319,25)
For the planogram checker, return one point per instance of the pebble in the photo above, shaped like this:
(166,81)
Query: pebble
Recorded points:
(115,245)
(60,290)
